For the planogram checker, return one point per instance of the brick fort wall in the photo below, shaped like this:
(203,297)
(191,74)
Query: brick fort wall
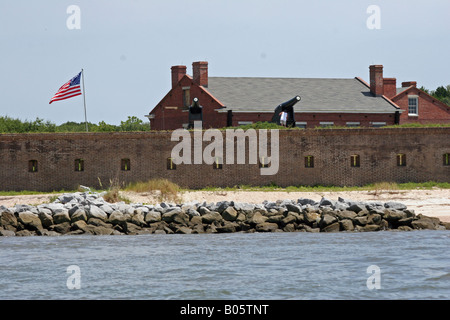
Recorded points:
(47,162)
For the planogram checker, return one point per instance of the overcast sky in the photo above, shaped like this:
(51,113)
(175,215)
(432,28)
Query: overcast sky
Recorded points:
(126,48)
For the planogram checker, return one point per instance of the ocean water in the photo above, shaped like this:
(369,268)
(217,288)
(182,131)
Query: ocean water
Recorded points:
(238,266)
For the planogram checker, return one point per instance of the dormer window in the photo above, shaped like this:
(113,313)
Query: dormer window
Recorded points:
(186,96)
(413,105)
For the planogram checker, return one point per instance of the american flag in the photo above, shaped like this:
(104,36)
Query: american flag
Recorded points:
(68,90)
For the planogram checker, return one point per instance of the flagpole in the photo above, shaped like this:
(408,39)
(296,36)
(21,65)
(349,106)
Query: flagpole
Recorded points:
(84,99)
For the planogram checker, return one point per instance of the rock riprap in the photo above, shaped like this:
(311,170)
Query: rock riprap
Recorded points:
(88,213)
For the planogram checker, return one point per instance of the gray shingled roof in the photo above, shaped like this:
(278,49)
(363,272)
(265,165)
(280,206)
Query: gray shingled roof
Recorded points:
(318,95)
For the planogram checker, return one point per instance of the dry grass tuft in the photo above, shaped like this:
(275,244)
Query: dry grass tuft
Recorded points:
(163,188)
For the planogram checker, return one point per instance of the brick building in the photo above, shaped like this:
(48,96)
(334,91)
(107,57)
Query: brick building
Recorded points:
(233,101)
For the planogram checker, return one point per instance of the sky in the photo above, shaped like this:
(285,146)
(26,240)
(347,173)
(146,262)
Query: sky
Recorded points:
(126,48)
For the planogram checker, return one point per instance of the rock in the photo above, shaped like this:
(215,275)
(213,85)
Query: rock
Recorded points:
(25,208)
(228,227)
(266,227)
(7,233)
(230,214)
(395,205)
(184,230)
(108,209)
(334,227)
(325,202)
(78,225)
(46,219)
(222,205)
(79,214)
(8,220)
(360,221)
(326,220)
(405,221)
(99,223)
(293,208)
(101,230)
(30,220)
(304,202)
(275,219)
(116,218)
(289,219)
(203,210)
(404,228)
(346,214)
(393,215)
(244,207)
(61,227)
(96,212)
(374,218)
(131,228)
(311,216)
(368,228)
(24,233)
(61,216)
(211,217)
(191,212)
(310,229)
(138,218)
(356,207)
(289,228)
(152,216)
(347,225)
(257,218)
(176,216)
(424,223)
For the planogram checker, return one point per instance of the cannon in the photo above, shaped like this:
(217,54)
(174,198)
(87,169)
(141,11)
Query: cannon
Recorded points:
(287,107)
(195,113)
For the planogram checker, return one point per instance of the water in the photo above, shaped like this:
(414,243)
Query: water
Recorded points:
(266,266)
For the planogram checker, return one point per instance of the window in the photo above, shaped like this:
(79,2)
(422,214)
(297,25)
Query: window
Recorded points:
(243,123)
(446,159)
(263,162)
(309,162)
(186,96)
(378,124)
(352,124)
(300,124)
(79,165)
(326,124)
(32,166)
(413,105)
(217,163)
(125,165)
(401,160)
(170,164)
(354,160)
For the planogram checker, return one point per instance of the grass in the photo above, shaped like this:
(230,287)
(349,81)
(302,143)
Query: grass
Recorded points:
(376,187)
(163,188)
(166,190)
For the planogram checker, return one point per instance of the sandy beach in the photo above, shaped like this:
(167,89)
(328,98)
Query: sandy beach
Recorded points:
(434,202)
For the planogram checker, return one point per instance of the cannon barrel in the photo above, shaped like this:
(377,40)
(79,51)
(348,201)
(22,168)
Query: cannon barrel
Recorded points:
(287,107)
(195,107)
(290,103)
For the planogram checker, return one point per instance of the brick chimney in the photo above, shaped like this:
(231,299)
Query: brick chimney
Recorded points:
(178,72)
(390,87)
(200,73)
(376,79)
(409,84)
